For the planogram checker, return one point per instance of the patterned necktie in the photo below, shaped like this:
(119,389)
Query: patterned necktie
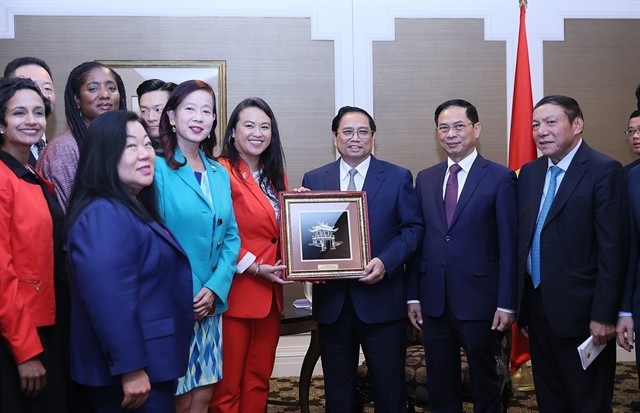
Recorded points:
(352,182)
(451,193)
(40,146)
(542,216)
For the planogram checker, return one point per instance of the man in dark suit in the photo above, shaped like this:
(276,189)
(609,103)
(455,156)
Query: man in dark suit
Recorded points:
(629,317)
(462,285)
(572,254)
(370,311)
(633,134)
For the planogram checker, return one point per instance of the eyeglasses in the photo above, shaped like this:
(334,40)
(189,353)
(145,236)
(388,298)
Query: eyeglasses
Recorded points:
(458,127)
(631,131)
(363,133)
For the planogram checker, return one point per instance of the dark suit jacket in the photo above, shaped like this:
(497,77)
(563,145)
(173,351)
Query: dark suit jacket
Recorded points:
(131,302)
(477,254)
(630,166)
(631,297)
(583,245)
(395,232)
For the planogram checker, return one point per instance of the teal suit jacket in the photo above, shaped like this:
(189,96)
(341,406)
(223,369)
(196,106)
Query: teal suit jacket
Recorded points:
(207,232)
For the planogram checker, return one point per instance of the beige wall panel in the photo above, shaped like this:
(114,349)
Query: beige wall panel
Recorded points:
(433,60)
(598,64)
(273,58)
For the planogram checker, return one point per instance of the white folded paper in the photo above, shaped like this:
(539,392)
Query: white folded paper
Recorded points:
(588,351)
(302,303)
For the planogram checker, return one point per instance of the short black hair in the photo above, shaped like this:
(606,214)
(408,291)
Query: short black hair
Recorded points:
(568,104)
(470,110)
(351,109)
(154,85)
(15,64)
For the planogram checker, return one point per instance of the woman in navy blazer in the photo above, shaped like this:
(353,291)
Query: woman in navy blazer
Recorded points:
(131,305)
(194,197)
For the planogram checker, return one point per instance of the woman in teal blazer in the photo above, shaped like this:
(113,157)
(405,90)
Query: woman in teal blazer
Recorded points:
(194,199)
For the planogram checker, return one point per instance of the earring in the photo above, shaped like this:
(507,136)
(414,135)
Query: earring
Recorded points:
(209,136)
(173,129)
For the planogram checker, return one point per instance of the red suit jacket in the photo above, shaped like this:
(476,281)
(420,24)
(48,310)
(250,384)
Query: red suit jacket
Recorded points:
(259,235)
(27,296)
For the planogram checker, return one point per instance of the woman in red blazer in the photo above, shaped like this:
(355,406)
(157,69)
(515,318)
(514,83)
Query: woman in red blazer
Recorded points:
(252,153)
(33,371)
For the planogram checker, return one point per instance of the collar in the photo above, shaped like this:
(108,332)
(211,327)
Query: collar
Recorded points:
(16,167)
(465,163)
(362,167)
(566,161)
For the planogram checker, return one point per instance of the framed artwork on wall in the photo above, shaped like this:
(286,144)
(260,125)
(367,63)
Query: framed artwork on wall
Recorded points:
(214,72)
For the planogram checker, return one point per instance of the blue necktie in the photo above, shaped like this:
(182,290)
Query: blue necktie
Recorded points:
(351,186)
(542,216)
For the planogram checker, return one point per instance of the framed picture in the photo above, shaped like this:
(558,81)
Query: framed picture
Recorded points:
(325,235)
(214,72)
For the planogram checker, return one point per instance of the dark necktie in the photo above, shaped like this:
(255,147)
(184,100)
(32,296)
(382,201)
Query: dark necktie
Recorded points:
(451,193)
(40,146)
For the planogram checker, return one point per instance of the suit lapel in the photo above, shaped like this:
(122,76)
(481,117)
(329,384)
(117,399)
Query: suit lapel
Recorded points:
(531,192)
(257,193)
(166,235)
(572,177)
(332,176)
(186,174)
(476,173)
(373,180)
(437,182)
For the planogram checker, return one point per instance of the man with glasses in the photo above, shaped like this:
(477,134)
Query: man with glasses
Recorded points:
(462,284)
(572,257)
(369,311)
(628,325)
(633,135)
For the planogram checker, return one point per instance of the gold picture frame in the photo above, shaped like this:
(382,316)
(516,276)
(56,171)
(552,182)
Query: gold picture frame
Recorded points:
(214,72)
(325,235)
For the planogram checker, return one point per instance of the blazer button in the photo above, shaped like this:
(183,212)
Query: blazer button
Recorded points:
(442,265)
(447,238)
(218,245)
(214,268)
(219,221)
(274,240)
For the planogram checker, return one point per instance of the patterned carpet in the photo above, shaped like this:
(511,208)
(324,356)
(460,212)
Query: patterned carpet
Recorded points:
(626,398)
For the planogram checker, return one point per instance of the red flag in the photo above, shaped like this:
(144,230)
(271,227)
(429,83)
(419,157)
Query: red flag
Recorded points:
(522,149)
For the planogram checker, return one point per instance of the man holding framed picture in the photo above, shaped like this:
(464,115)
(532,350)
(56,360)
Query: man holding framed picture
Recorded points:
(369,311)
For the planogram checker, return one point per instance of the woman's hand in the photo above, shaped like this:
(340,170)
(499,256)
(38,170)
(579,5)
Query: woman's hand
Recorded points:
(33,377)
(273,273)
(136,388)
(203,303)
(301,189)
